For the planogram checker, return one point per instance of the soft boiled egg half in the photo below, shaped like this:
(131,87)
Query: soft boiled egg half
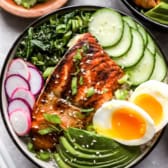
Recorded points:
(152,96)
(124,122)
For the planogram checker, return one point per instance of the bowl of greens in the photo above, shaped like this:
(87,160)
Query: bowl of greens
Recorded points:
(74,91)
(31,8)
(152,11)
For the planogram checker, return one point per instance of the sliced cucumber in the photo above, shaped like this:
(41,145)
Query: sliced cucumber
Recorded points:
(143,33)
(134,54)
(107,26)
(123,46)
(160,69)
(130,22)
(142,71)
(151,44)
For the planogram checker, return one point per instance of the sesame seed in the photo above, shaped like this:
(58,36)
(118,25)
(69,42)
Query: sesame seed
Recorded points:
(74,140)
(57,76)
(81,136)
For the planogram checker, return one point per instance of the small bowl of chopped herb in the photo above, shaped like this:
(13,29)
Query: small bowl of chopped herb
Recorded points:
(31,8)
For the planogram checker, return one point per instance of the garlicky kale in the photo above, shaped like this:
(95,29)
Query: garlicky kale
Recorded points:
(47,43)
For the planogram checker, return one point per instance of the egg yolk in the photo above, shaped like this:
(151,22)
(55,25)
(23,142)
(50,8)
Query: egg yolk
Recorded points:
(151,106)
(125,124)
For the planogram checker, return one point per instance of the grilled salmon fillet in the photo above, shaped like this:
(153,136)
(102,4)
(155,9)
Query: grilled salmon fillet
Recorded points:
(85,78)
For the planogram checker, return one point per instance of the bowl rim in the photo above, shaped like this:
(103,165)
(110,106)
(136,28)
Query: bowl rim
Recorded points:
(145,18)
(14,46)
(33,12)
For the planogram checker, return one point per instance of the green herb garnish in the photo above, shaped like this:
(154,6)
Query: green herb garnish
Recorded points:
(81,80)
(48,71)
(52,118)
(46,131)
(30,147)
(77,56)
(87,110)
(74,85)
(43,155)
(90,92)
(121,94)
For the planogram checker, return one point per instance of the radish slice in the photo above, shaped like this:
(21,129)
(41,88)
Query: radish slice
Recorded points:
(24,94)
(14,81)
(17,104)
(20,121)
(36,80)
(18,66)
(30,64)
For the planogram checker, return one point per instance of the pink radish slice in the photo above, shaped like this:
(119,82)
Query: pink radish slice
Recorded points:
(18,66)
(20,121)
(17,104)
(14,81)
(30,64)
(24,94)
(36,80)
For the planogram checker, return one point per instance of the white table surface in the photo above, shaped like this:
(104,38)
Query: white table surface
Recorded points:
(11,26)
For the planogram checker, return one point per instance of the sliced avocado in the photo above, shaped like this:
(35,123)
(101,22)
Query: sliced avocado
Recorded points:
(66,146)
(85,149)
(60,162)
(116,161)
(72,153)
(74,164)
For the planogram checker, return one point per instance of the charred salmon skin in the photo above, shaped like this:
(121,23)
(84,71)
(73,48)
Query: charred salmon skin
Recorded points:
(84,79)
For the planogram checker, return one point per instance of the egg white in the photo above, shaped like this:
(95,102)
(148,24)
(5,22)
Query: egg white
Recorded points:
(159,91)
(104,114)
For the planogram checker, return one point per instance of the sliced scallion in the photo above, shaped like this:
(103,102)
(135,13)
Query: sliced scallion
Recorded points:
(74,85)
(87,110)
(52,118)
(90,92)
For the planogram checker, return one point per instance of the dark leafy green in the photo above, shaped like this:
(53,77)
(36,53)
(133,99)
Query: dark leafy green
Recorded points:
(45,44)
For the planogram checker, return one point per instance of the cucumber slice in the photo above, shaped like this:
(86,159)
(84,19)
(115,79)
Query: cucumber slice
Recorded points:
(142,71)
(130,22)
(123,46)
(107,26)
(151,44)
(143,33)
(160,69)
(135,53)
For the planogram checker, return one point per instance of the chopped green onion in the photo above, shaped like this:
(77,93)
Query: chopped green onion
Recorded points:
(87,110)
(121,94)
(81,80)
(124,79)
(52,118)
(48,71)
(90,92)
(30,147)
(85,47)
(90,128)
(74,85)
(77,56)
(105,90)
(46,131)
(45,156)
